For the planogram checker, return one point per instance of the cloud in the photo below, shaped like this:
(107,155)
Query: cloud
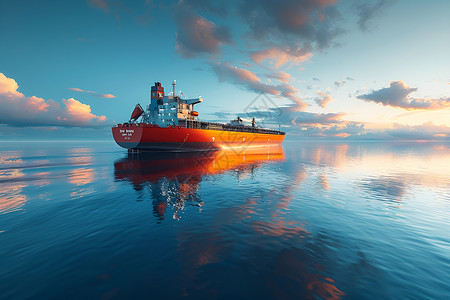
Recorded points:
(94,93)
(366,11)
(215,7)
(314,22)
(100,4)
(348,129)
(301,123)
(139,10)
(317,130)
(244,77)
(397,95)
(306,118)
(323,99)
(196,35)
(252,82)
(280,76)
(426,131)
(280,56)
(80,90)
(106,96)
(339,83)
(223,114)
(323,125)
(19,110)
(290,115)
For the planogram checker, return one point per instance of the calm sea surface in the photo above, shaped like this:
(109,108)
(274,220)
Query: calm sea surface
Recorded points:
(312,221)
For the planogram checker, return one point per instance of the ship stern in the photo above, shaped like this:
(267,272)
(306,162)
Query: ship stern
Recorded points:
(127,137)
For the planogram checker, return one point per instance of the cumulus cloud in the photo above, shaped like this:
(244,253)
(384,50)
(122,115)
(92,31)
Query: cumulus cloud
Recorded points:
(278,56)
(323,99)
(397,95)
(196,35)
(252,82)
(20,110)
(93,93)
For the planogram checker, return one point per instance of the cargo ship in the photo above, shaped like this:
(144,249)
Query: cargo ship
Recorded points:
(170,123)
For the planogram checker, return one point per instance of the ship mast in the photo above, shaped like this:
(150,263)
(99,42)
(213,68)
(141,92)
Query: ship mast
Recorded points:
(174,83)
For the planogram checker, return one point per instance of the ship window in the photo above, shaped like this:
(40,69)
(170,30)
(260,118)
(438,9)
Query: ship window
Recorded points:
(153,94)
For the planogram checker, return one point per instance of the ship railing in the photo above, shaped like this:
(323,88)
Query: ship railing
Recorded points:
(194,124)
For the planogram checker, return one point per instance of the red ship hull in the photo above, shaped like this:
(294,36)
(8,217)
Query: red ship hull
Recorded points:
(176,138)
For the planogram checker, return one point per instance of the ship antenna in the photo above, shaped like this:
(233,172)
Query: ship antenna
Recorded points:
(174,83)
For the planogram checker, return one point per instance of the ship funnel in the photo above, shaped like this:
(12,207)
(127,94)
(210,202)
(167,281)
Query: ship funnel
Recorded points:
(157,91)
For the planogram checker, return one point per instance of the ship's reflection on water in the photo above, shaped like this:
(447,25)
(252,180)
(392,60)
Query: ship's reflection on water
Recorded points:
(173,178)
(310,221)
(174,181)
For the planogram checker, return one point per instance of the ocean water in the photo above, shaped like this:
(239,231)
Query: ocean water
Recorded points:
(310,221)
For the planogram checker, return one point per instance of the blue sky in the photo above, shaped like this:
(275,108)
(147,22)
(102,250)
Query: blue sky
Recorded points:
(332,69)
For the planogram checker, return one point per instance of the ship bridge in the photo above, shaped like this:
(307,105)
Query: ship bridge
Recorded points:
(165,110)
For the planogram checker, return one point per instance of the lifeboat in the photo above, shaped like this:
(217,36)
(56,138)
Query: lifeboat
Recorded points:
(194,113)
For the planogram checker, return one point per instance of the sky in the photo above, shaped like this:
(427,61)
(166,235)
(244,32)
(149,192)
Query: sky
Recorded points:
(318,69)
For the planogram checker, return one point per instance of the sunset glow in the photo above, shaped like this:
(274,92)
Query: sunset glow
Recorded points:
(350,66)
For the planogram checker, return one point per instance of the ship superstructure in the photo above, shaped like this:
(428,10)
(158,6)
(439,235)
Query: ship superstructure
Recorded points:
(171,123)
(165,110)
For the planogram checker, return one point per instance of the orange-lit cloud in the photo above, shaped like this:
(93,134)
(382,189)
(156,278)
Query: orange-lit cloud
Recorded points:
(20,110)
(252,82)
(339,83)
(80,90)
(397,95)
(93,93)
(323,99)
(280,56)
(280,76)
(106,96)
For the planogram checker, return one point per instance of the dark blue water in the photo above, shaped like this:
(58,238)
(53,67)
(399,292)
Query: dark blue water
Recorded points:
(317,221)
